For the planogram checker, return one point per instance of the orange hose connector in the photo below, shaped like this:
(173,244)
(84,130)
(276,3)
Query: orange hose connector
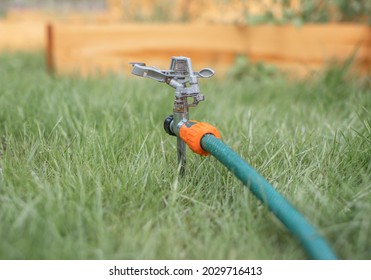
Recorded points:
(192,132)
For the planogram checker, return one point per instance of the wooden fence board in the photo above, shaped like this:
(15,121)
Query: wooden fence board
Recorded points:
(25,30)
(87,48)
(114,46)
(22,36)
(311,46)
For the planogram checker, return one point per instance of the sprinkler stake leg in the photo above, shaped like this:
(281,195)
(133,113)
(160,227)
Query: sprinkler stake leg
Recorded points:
(181,114)
(182,159)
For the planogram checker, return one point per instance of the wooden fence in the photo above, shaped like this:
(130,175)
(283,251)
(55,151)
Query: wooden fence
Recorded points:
(90,48)
(24,29)
(106,41)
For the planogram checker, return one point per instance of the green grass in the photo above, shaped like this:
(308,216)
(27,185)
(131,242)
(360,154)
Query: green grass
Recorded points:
(87,171)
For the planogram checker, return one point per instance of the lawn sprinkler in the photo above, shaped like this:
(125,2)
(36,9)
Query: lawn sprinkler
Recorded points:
(204,139)
(185,82)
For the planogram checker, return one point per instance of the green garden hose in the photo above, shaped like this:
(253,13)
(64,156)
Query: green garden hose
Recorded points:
(202,138)
(314,244)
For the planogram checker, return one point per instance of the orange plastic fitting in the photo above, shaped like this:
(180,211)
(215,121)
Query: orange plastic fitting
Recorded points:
(192,132)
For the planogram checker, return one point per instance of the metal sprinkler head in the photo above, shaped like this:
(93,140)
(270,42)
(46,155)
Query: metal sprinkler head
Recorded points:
(184,80)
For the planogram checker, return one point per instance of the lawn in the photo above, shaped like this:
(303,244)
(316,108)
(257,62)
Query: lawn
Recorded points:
(87,171)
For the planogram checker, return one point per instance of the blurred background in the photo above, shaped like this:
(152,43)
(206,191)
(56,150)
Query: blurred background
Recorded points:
(297,36)
(247,11)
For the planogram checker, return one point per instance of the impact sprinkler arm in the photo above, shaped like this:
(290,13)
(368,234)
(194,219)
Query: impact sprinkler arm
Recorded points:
(181,77)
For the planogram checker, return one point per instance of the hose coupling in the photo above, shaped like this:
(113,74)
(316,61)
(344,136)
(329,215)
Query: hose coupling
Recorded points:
(192,132)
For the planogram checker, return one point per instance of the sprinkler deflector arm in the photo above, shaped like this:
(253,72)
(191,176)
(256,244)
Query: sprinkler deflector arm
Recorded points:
(204,139)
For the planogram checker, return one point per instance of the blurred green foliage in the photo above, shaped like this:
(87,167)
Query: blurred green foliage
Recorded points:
(309,11)
(317,11)
(244,68)
(52,4)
